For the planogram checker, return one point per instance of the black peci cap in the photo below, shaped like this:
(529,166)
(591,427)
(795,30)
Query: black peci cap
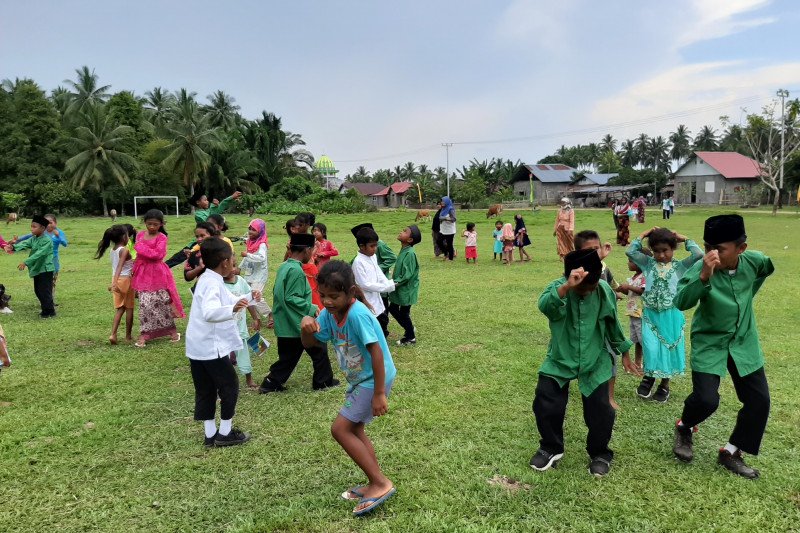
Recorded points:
(723,228)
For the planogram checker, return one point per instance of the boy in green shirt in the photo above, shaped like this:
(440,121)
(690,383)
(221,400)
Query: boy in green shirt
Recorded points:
(406,283)
(582,311)
(291,302)
(724,336)
(39,264)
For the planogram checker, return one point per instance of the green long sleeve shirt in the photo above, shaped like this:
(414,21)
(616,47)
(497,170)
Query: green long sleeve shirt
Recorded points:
(385,256)
(201,215)
(724,323)
(291,299)
(41,256)
(579,329)
(406,278)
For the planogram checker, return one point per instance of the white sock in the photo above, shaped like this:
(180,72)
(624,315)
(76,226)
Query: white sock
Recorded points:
(210,427)
(680,424)
(730,448)
(225,426)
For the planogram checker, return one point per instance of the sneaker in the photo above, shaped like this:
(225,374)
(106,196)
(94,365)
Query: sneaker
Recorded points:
(42,315)
(661,395)
(544,460)
(6,311)
(599,466)
(645,388)
(406,342)
(209,441)
(268,386)
(734,462)
(332,383)
(231,439)
(683,443)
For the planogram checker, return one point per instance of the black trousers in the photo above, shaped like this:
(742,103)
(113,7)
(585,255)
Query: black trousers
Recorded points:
(447,246)
(665,214)
(550,408)
(43,288)
(752,390)
(289,351)
(383,318)
(402,313)
(213,378)
(177,259)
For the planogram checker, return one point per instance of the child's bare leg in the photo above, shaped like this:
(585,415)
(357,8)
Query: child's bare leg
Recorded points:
(348,435)
(638,356)
(115,325)
(6,361)
(611,383)
(129,324)
(250,383)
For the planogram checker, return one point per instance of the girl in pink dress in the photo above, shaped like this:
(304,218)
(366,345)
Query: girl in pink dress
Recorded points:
(159,303)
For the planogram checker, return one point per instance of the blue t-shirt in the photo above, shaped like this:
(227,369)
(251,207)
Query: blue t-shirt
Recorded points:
(350,341)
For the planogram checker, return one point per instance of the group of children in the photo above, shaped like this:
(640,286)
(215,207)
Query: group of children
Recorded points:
(582,314)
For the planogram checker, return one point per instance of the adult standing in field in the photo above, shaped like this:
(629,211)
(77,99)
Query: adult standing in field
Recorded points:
(435,227)
(614,213)
(623,222)
(665,211)
(447,227)
(639,207)
(564,228)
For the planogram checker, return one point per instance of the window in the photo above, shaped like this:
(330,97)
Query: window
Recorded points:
(710,186)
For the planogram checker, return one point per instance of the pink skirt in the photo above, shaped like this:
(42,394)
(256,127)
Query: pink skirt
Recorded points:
(471,252)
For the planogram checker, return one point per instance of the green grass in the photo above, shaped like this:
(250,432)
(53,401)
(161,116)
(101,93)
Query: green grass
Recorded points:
(94,437)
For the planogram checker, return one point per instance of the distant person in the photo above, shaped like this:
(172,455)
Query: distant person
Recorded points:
(633,289)
(564,228)
(521,238)
(386,259)
(623,222)
(121,273)
(665,211)
(447,227)
(671,205)
(436,236)
(470,243)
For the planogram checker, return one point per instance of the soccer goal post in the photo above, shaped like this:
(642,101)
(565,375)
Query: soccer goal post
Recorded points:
(137,198)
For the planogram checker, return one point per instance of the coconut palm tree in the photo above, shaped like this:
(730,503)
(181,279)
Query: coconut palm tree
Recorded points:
(361,175)
(99,152)
(608,143)
(222,110)
(681,140)
(641,148)
(157,107)
(86,90)
(706,140)
(628,153)
(733,140)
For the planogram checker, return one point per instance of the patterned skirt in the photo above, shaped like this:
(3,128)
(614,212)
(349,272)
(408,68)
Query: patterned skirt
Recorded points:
(156,315)
(565,241)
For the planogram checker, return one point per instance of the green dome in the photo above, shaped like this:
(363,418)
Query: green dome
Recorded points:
(325,165)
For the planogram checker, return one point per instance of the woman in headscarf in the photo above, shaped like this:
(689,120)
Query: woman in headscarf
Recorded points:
(447,227)
(641,204)
(435,234)
(623,230)
(564,228)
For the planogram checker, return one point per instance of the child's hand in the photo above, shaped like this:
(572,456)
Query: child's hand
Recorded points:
(648,232)
(187,252)
(679,237)
(605,250)
(309,325)
(629,366)
(379,405)
(236,195)
(576,277)
(215,201)
(623,287)
(241,304)
(257,324)
(114,288)
(710,262)
(256,295)
(244,254)
(21,266)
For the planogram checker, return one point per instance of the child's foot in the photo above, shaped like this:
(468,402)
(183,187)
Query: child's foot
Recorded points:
(112,340)
(209,441)
(5,360)
(406,342)
(645,388)
(599,466)
(683,443)
(734,462)
(176,337)
(268,386)
(233,438)
(252,385)
(661,395)
(354,493)
(140,343)
(373,496)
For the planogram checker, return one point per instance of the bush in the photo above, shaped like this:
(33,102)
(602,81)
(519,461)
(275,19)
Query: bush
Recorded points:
(321,201)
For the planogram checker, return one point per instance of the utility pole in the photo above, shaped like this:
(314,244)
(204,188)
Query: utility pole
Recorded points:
(447,151)
(783,94)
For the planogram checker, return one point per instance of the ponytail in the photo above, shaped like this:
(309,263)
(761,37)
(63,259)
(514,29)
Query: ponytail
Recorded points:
(114,234)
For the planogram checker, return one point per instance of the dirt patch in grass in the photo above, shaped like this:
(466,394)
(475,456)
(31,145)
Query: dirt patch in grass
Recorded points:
(507,483)
(468,347)
(84,343)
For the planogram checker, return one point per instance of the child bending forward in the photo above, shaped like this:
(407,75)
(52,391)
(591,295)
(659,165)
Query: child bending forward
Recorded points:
(364,357)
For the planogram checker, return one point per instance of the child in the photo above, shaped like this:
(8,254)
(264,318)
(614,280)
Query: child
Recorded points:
(583,318)
(205,209)
(4,300)
(368,275)
(211,337)
(386,259)
(471,243)
(159,303)
(364,356)
(194,263)
(291,302)
(497,237)
(5,359)
(59,239)
(305,221)
(508,244)
(131,246)
(323,248)
(522,239)
(633,289)
(294,226)
(39,263)
(239,287)
(121,270)
(222,226)
(255,263)
(724,336)
(406,283)
(662,324)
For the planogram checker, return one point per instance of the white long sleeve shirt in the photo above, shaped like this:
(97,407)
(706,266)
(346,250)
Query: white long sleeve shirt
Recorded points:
(212,332)
(372,280)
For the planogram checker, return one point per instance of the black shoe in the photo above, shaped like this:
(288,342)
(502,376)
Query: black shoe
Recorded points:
(268,386)
(644,391)
(332,383)
(544,460)
(231,439)
(734,462)
(209,441)
(406,342)
(599,466)
(683,444)
(49,315)
(661,395)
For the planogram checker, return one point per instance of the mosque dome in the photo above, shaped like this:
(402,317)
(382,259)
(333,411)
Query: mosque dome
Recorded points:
(325,165)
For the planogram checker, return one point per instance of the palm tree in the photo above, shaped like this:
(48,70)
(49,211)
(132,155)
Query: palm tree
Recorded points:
(157,107)
(608,143)
(85,90)
(641,148)
(292,155)
(628,154)
(409,171)
(733,140)
(706,140)
(99,147)
(658,154)
(222,111)
(681,140)
(60,97)
(361,175)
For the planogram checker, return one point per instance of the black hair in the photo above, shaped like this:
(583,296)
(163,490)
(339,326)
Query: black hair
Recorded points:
(498,221)
(131,232)
(338,276)
(322,229)
(219,220)
(209,227)
(51,216)
(114,234)
(214,251)
(155,214)
(306,218)
(662,236)
(470,226)
(366,236)
(291,223)
(296,248)
(583,236)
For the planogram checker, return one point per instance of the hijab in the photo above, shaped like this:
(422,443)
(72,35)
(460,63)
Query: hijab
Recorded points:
(508,232)
(253,244)
(568,204)
(447,209)
(520,223)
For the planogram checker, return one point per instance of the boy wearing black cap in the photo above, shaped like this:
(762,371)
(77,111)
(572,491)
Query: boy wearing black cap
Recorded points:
(406,284)
(39,263)
(724,336)
(582,312)
(291,302)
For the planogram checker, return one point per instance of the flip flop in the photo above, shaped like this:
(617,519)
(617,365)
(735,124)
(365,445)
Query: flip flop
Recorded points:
(140,345)
(176,340)
(374,503)
(355,490)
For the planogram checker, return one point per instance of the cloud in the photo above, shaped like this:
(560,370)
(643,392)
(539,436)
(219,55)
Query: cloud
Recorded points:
(541,23)
(712,19)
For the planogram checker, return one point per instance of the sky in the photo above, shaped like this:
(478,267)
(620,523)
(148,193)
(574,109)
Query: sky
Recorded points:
(382,83)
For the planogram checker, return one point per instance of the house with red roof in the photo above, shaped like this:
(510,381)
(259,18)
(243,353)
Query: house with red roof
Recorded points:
(394,195)
(397,193)
(715,178)
(549,182)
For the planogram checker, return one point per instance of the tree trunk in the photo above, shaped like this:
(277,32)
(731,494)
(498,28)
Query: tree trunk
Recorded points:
(105,206)
(780,197)
(776,201)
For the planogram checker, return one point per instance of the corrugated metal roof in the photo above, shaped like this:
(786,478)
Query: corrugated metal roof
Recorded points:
(731,165)
(599,179)
(366,189)
(551,173)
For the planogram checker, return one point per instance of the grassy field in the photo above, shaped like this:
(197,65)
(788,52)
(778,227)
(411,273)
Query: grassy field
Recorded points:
(95,437)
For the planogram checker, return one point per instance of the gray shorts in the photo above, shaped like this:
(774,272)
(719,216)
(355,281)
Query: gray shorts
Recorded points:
(636,330)
(358,404)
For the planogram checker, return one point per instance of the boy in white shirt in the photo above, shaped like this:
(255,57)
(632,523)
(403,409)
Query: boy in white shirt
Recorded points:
(211,336)
(368,275)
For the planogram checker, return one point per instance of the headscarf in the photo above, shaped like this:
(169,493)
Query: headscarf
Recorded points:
(568,203)
(508,232)
(447,209)
(253,244)
(520,224)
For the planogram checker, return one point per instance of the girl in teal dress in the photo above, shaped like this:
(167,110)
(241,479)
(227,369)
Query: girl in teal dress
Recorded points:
(663,340)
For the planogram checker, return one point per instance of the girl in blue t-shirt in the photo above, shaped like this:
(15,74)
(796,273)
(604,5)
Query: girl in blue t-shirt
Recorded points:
(360,346)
